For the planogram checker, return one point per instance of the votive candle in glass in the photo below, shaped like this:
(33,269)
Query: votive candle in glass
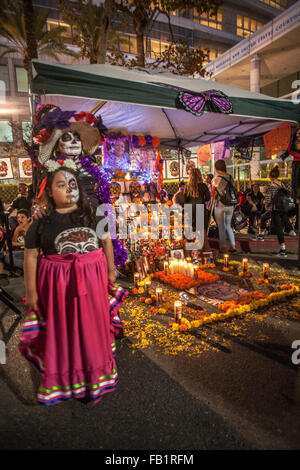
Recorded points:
(166,267)
(226,261)
(177,311)
(266,270)
(136,279)
(147,287)
(245,265)
(158,296)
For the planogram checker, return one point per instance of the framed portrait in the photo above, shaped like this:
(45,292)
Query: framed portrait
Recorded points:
(177,254)
(25,167)
(5,169)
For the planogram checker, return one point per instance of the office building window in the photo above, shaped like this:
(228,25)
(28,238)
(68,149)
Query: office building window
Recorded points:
(22,80)
(212,21)
(51,24)
(4,78)
(157,48)
(26,130)
(278,4)
(246,26)
(6,131)
(212,55)
(128,44)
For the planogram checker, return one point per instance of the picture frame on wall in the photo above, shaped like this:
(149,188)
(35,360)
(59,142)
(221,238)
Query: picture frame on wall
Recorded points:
(6,169)
(173,169)
(189,163)
(25,167)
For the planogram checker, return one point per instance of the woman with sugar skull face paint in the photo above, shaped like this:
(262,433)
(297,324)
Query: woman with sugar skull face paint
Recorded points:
(67,294)
(77,141)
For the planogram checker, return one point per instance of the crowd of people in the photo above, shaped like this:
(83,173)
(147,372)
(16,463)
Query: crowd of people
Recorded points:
(256,204)
(221,201)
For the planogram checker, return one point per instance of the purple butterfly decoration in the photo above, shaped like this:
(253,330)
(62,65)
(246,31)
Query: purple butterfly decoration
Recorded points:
(214,101)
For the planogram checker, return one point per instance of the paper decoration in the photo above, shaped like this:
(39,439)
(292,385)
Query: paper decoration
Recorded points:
(5,169)
(204,154)
(25,167)
(277,140)
(221,149)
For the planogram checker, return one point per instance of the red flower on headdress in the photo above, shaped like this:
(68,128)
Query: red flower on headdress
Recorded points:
(84,116)
(42,136)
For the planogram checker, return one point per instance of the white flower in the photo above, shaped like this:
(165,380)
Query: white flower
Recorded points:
(52,165)
(70,164)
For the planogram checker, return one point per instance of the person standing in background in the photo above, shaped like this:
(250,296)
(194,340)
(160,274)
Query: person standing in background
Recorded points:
(223,213)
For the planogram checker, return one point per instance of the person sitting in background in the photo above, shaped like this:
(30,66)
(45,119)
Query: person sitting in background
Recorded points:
(178,197)
(22,201)
(18,239)
(254,206)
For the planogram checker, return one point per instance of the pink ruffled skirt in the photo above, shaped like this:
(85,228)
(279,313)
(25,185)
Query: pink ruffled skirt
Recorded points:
(71,338)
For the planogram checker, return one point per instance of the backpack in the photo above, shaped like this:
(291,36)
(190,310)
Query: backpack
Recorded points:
(282,200)
(230,196)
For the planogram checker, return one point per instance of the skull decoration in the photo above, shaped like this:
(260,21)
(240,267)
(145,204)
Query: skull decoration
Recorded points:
(76,240)
(69,145)
(72,187)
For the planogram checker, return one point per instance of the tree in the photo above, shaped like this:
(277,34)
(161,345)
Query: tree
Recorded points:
(144,13)
(12,28)
(28,13)
(92,28)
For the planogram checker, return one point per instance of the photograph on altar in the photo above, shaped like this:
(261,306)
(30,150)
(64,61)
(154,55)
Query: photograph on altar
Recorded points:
(177,254)
(6,169)
(25,167)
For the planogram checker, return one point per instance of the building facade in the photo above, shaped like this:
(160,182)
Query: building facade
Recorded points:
(234,23)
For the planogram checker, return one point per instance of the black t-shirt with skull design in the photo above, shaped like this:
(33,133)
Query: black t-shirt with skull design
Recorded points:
(60,234)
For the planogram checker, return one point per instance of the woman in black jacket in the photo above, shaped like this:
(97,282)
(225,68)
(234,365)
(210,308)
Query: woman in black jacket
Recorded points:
(197,192)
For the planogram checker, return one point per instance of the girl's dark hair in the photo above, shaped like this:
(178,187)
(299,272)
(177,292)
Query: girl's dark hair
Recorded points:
(274,173)
(220,165)
(24,212)
(85,214)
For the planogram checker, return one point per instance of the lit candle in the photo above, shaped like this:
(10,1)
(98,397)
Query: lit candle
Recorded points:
(171,268)
(192,271)
(266,270)
(147,287)
(181,267)
(158,296)
(245,265)
(166,267)
(195,272)
(177,311)
(186,269)
(226,261)
(136,279)
(188,260)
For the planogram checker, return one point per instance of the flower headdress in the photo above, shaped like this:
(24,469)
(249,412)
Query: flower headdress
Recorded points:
(53,165)
(54,122)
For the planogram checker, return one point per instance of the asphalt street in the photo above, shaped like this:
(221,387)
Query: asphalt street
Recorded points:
(244,395)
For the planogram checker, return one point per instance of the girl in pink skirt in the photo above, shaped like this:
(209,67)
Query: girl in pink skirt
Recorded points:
(70,330)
